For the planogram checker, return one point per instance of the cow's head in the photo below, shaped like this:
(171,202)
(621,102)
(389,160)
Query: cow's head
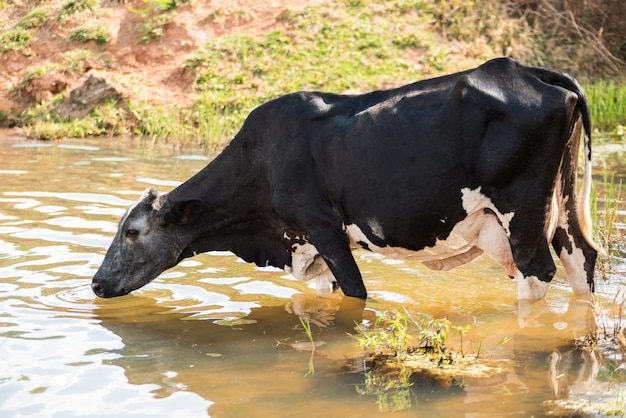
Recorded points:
(151,238)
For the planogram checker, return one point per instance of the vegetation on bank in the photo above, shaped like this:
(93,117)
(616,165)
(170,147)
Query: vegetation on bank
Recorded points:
(356,45)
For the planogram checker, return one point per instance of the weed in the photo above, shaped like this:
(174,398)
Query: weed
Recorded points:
(153,28)
(605,212)
(97,34)
(75,6)
(164,4)
(14,40)
(73,61)
(388,336)
(307,329)
(607,105)
(31,74)
(155,20)
(392,389)
(34,19)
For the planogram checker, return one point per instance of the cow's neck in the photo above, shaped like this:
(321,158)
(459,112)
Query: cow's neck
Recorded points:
(230,190)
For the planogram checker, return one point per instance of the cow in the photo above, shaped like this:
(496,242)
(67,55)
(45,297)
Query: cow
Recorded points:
(438,171)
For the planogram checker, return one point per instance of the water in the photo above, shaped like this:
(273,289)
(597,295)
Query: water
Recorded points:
(218,337)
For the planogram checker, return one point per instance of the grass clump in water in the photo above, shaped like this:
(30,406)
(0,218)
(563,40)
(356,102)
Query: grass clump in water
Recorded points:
(394,359)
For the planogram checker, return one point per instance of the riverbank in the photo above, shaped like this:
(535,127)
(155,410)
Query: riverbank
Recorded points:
(189,72)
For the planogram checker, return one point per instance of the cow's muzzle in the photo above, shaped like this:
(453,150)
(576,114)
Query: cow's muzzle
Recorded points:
(101,289)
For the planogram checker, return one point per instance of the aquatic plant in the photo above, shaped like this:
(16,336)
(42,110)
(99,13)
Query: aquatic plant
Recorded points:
(393,358)
(389,336)
(392,388)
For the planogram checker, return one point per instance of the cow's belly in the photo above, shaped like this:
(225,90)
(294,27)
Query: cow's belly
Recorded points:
(477,233)
(483,230)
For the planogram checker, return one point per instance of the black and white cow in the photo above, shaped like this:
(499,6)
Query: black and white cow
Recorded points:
(438,171)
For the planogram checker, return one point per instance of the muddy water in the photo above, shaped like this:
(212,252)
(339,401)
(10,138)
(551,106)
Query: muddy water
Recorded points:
(219,337)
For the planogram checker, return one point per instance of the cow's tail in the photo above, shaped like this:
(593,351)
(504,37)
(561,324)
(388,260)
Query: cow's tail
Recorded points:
(584,196)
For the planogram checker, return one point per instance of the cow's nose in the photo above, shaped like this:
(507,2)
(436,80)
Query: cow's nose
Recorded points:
(98,289)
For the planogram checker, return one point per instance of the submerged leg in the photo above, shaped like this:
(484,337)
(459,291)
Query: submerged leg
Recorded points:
(578,259)
(530,288)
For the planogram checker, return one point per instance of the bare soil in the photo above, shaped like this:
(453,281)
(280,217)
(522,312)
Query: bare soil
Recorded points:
(149,72)
(153,72)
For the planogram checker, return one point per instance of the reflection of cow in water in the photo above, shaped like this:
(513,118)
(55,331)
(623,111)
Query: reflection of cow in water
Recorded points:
(438,171)
(573,357)
(224,363)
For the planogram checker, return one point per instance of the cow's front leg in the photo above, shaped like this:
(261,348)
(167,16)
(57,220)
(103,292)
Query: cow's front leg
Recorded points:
(334,247)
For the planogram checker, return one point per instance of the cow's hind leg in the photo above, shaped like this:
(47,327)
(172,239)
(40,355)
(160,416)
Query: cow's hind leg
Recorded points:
(572,244)
(534,262)
(530,287)
(577,256)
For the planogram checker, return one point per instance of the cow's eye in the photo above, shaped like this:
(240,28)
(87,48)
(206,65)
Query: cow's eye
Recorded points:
(132,233)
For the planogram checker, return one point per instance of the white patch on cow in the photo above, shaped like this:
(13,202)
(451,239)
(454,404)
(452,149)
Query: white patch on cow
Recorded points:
(460,247)
(574,268)
(325,283)
(307,264)
(475,200)
(376,228)
(553,210)
(478,232)
(573,263)
(530,287)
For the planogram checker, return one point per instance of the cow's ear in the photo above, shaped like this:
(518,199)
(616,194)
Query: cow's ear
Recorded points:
(181,213)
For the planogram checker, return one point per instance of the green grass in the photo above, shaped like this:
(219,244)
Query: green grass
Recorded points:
(75,6)
(152,27)
(360,51)
(607,102)
(34,19)
(16,39)
(108,119)
(98,34)
(363,49)
(606,202)
(359,45)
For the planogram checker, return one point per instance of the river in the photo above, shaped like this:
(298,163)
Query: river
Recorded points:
(218,337)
